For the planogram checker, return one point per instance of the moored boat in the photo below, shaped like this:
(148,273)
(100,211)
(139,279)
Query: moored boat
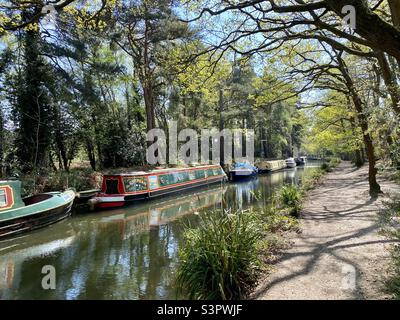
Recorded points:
(19,215)
(242,171)
(301,161)
(291,163)
(265,166)
(123,189)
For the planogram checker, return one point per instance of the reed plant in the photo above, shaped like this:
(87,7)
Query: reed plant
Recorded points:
(220,260)
(290,198)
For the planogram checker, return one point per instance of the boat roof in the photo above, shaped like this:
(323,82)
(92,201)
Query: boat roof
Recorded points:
(150,172)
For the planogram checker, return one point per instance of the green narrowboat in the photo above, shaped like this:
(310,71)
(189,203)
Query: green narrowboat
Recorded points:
(121,189)
(19,215)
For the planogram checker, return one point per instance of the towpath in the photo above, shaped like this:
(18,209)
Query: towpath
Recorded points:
(340,253)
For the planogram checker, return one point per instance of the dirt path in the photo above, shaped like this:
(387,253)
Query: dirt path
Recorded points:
(339,254)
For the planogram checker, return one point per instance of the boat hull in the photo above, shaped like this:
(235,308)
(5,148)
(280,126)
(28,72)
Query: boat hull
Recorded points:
(240,176)
(43,217)
(291,165)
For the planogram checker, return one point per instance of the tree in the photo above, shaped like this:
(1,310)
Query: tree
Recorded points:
(144,30)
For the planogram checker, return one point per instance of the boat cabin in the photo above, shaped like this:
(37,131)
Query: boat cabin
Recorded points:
(10,195)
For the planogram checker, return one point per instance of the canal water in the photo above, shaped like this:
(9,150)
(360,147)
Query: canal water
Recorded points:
(130,253)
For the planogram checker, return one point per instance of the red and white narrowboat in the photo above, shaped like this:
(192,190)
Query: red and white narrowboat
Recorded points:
(123,189)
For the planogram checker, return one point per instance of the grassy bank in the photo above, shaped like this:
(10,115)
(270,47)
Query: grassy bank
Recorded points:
(390,222)
(230,249)
(330,164)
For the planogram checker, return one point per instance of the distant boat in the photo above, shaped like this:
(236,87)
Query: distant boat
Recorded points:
(265,166)
(123,189)
(242,171)
(20,215)
(290,163)
(301,161)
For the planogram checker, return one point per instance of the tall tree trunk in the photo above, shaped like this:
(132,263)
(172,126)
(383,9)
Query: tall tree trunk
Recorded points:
(1,143)
(358,161)
(358,153)
(33,107)
(221,127)
(91,153)
(374,187)
(390,82)
(394,6)
(147,81)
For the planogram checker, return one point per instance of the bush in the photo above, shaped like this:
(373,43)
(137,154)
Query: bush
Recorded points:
(290,198)
(326,167)
(330,164)
(221,256)
(79,179)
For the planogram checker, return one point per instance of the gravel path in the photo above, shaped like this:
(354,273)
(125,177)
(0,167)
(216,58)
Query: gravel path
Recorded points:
(339,254)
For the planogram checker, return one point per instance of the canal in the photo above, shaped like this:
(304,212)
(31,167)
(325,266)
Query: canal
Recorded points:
(131,253)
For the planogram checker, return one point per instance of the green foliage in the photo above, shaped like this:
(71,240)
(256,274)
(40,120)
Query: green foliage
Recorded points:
(78,179)
(290,198)
(333,130)
(276,220)
(330,164)
(224,255)
(311,178)
(326,167)
(220,258)
(389,221)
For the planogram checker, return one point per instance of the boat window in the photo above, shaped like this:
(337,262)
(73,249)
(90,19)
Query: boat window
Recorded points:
(184,177)
(3,198)
(210,172)
(217,172)
(112,186)
(166,179)
(200,174)
(135,184)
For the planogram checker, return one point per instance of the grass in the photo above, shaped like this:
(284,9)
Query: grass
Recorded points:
(220,259)
(390,223)
(290,198)
(330,164)
(311,178)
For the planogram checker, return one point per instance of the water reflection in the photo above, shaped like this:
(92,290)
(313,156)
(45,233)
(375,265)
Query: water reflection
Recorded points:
(131,253)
